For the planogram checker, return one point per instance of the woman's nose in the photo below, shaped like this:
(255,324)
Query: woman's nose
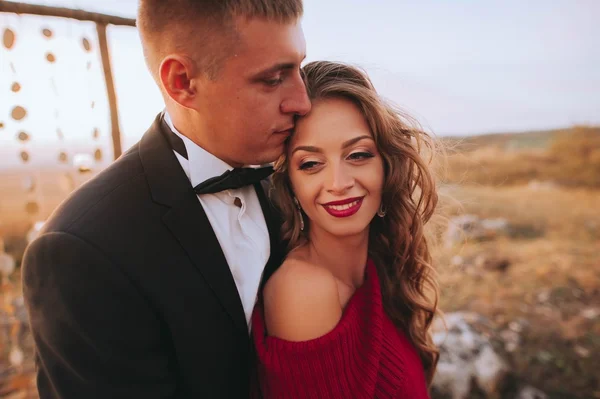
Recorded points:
(341,180)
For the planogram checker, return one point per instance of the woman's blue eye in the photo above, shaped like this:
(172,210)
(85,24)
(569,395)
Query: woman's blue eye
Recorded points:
(308,165)
(360,155)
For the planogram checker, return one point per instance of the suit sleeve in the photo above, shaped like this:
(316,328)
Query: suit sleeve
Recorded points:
(95,334)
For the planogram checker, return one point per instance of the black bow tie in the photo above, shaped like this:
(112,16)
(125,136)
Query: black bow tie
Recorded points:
(230,180)
(233,179)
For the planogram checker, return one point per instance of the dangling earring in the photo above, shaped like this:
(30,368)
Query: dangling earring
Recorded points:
(300,213)
(382,211)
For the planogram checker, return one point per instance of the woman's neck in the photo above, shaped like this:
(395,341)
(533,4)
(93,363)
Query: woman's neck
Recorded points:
(345,257)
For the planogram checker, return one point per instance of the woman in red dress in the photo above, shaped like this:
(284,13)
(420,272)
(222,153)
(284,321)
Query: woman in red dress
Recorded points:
(347,314)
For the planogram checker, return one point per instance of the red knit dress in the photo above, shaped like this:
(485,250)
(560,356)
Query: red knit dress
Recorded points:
(364,356)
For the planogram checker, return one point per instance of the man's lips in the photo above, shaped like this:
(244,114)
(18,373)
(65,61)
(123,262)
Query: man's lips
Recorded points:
(285,131)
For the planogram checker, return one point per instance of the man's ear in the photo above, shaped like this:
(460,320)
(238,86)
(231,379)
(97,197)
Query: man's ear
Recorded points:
(178,76)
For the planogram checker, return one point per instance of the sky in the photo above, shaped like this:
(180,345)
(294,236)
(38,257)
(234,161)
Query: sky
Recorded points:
(461,67)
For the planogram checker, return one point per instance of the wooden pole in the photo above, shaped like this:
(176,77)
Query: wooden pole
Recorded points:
(47,11)
(101,20)
(110,89)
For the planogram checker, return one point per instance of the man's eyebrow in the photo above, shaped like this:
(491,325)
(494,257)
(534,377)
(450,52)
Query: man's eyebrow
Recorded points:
(278,67)
(282,66)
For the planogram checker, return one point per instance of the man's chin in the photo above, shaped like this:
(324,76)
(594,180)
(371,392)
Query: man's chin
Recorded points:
(269,157)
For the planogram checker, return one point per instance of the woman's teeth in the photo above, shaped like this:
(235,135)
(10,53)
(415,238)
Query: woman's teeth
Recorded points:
(343,207)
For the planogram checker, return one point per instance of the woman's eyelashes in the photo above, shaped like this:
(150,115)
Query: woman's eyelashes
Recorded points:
(355,156)
(360,155)
(308,165)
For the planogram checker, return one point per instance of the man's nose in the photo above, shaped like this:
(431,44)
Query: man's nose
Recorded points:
(297,101)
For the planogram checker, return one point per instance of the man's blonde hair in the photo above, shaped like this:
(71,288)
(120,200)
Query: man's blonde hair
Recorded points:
(209,25)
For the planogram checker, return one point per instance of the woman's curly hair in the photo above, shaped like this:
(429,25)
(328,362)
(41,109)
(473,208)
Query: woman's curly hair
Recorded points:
(397,241)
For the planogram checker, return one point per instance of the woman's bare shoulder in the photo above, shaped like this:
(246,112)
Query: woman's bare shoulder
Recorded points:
(301,301)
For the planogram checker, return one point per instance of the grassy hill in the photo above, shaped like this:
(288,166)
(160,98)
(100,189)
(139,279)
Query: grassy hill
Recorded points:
(505,141)
(568,157)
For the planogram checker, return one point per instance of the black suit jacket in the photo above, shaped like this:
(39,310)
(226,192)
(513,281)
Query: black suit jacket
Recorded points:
(129,293)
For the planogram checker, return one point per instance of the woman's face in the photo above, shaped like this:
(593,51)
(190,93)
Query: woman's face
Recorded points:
(335,169)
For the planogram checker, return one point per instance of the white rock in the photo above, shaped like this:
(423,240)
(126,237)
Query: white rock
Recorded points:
(515,326)
(466,357)
(529,392)
(454,379)
(591,313)
(490,370)
(582,352)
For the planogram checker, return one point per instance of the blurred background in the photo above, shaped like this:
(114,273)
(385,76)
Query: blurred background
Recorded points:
(511,88)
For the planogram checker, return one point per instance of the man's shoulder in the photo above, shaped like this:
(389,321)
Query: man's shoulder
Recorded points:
(119,184)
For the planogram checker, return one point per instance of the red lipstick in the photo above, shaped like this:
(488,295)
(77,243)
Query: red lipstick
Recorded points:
(343,208)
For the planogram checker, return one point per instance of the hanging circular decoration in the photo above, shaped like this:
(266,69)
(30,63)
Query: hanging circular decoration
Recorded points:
(93,104)
(8,38)
(96,133)
(32,208)
(86,44)
(50,57)
(63,157)
(25,156)
(28,184)
(60,134)
(22,136)
(16,87)
(18,113)
(98,155)
(47,32)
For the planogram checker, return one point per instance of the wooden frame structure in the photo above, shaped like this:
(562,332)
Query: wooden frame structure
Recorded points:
(101,21)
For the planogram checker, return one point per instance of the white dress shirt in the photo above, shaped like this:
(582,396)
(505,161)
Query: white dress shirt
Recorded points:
(241,230)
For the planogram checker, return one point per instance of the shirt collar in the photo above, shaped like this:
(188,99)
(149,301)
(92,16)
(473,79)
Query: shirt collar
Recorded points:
(202,164)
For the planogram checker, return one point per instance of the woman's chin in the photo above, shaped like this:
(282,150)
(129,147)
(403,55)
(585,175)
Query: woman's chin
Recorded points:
(346,230)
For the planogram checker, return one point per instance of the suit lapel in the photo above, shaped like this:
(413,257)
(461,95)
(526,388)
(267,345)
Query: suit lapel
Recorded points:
(273,225)
(187,220)
(189,223)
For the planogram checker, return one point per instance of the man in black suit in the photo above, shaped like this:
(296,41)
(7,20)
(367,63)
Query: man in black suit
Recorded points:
(142,283)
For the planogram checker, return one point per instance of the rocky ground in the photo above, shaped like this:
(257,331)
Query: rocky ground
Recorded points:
(526,269)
